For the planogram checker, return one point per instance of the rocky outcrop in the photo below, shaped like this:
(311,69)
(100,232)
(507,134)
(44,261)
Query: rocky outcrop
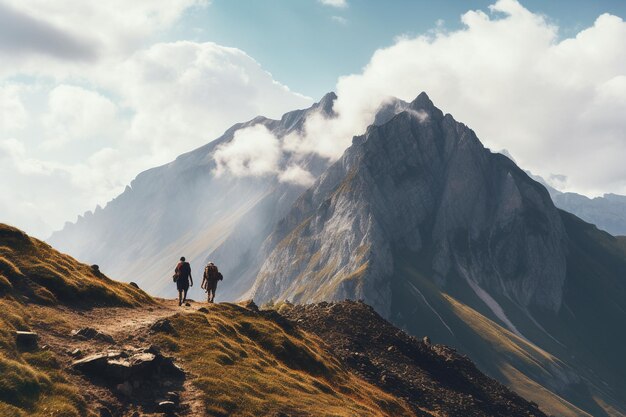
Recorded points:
(129,370)
(424,185)
(428,377)
(89,333)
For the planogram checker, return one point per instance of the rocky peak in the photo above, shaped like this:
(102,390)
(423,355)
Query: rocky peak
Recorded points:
(421,183)
(326,103)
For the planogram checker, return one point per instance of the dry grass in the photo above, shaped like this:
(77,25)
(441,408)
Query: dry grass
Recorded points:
(247,364)
(32,269)
(32,383)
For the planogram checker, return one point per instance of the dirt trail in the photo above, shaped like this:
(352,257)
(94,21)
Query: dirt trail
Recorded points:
(129,328)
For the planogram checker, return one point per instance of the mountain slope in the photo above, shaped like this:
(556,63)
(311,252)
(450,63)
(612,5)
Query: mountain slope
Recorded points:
(37,286)
(183,208)
(447,239)
(404,366)
(127,355)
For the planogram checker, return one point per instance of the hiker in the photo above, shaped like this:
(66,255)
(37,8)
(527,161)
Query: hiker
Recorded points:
(210,279)
(183,279)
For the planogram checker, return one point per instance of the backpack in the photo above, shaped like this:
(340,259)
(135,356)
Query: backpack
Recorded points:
(211,273)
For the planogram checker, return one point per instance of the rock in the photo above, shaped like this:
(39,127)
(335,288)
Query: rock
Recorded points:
(92,364)
(76,353)
(166,407)
(426,340)
(26,339)
(89,333)
(203,310)
(249,304)
(133,284)
(173,397)
(187,305)
(95,268)
(163,326)
(120,367)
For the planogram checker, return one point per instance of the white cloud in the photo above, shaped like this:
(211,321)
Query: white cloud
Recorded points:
(76,113)
(68,28)
(420,115)
(13,115)
(557,105)
(81,126)
(254,151)
(194,91)
(335,3)
(295,174)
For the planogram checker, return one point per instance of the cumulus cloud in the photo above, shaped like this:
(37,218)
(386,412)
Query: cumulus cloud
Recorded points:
(342,4)
(254,151)
(75,113)
(194,91)
(13,115)
(295,174)
(74,132)
(556,104)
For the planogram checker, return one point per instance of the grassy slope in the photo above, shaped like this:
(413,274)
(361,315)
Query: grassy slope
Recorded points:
(242,363)
(249,364)
(32,383)
(497,352)
(585,335)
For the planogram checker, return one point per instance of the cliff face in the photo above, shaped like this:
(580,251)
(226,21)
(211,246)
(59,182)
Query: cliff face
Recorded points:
(422,184)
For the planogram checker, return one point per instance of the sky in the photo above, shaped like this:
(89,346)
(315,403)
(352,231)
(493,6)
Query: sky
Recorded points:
(92,92)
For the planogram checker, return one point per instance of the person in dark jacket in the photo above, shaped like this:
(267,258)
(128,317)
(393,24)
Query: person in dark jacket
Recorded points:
(183,280)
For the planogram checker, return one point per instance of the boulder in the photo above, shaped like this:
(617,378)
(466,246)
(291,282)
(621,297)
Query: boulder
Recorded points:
(89,333)
(133,284)
(132,367)
(249,304)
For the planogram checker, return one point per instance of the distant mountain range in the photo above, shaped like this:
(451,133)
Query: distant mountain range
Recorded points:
(441,236)
(607,212)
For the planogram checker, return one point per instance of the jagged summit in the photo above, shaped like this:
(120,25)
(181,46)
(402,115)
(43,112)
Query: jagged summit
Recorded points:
(326,103)
(422,101)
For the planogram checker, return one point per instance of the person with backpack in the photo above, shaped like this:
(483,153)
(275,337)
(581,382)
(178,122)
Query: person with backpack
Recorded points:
(210,279)
(183,279)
